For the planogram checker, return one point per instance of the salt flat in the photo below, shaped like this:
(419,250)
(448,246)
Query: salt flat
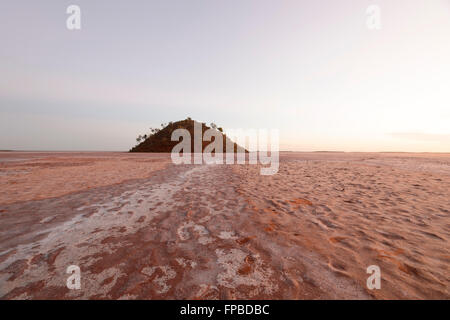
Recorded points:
(140,227)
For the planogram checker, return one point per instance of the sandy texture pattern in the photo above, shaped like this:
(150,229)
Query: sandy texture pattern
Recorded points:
(147,229)
(33,176)
(357,210)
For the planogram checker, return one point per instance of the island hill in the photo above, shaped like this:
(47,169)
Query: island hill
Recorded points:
(159,140)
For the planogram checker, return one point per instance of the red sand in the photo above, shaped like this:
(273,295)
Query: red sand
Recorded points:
(140,227)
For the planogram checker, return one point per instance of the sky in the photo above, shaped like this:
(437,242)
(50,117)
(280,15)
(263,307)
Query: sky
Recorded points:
(311,69)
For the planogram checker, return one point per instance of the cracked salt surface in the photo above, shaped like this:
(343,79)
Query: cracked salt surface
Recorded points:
(93,228)
(232,262)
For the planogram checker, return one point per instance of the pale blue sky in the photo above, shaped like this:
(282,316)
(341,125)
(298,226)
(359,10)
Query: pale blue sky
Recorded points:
(312,69)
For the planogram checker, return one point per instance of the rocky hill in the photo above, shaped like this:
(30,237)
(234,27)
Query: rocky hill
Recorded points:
(160,140)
